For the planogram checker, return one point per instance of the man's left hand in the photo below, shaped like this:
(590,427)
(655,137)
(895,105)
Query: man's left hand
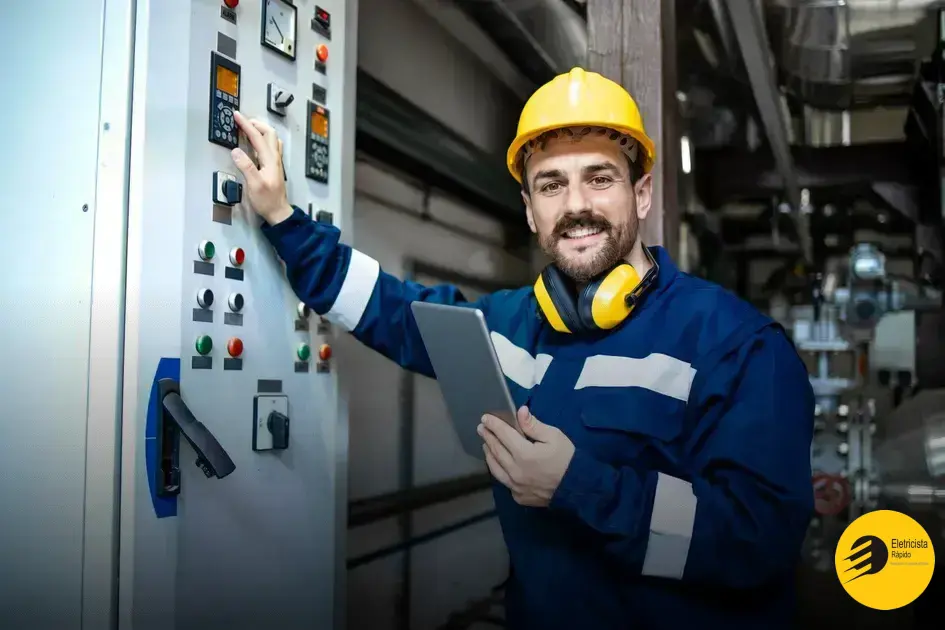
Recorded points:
(531,470)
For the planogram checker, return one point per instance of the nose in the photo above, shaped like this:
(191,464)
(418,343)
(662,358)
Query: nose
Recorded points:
(577,202)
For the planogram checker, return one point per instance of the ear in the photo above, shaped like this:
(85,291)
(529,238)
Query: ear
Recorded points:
(528,212)
(643,190)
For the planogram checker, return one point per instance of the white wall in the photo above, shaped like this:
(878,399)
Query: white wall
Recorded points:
(402,46)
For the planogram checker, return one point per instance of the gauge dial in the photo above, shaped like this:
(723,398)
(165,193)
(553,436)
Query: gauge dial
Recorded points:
(279,26)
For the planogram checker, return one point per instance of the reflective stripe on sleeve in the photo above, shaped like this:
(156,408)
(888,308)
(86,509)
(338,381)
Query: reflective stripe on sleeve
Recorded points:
(671,525)
(360,280)
(518,364)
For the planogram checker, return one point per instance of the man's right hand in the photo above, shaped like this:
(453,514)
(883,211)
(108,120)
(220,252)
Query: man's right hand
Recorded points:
(265,185)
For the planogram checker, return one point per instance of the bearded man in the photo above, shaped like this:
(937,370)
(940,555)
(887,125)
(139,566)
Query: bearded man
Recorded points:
(663,479)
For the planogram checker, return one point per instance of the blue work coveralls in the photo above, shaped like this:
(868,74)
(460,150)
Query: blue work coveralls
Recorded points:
(689,494)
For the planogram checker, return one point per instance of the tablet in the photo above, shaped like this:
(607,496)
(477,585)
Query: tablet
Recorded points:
(467,368)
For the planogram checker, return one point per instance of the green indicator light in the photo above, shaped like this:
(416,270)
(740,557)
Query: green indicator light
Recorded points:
(207,250)
(304,352)
(204,344)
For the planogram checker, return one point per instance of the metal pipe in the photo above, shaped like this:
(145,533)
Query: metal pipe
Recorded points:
(750,33)
(371,510)
(413,542)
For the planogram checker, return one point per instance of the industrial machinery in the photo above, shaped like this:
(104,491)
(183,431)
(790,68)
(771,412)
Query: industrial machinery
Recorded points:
(181,464)
(855,334)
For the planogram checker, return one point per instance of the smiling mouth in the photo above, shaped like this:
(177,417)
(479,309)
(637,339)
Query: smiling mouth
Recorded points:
(582,232)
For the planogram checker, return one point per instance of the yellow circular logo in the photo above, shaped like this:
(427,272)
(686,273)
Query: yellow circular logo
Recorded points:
(885,560)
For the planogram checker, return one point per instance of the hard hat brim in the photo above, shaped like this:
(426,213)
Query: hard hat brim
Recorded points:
(649,148)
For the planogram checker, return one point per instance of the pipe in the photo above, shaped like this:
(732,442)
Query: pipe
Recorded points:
(371,510)
(749,32)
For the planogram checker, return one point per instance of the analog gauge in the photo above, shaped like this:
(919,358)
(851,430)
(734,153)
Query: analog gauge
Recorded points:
(279,26)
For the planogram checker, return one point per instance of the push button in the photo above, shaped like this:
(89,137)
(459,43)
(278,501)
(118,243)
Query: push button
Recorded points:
(304,352)
(203,345)
(235,347)
(236,302)
(324,352)
(205,298)
(206,250)
(237,256)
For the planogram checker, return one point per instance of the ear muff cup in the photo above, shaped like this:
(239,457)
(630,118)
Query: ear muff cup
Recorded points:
(609,300)
(563,297)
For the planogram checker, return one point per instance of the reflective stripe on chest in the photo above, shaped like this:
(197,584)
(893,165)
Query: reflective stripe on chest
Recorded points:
(656,372)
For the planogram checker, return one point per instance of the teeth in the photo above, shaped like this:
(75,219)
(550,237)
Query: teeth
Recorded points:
(582,232)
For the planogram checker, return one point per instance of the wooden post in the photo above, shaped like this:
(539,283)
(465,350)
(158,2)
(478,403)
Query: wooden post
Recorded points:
(633,42)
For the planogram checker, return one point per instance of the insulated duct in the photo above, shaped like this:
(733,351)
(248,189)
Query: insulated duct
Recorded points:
(542,37)
(846,54)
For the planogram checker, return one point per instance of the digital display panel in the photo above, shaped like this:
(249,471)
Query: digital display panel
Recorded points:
(228,81)
(319,122)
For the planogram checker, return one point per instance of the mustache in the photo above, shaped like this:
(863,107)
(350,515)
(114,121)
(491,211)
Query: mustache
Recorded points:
(585,219)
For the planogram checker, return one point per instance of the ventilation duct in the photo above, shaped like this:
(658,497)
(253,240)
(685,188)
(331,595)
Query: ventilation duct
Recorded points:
(846,54)
(542,37)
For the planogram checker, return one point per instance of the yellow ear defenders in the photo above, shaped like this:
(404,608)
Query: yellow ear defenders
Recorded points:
(601,305)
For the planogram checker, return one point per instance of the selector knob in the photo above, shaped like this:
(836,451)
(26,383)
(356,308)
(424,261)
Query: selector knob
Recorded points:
(283,99)
(205,298)
(232,192)
(303,310)
(236,302)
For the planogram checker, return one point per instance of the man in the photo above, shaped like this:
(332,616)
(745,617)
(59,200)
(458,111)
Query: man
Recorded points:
(665,481)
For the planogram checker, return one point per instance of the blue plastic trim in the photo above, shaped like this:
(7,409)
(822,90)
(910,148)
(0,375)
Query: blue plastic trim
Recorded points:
(163,506)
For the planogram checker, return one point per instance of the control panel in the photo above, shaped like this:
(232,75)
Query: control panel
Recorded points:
(255,364)
(224,98)
(316,149)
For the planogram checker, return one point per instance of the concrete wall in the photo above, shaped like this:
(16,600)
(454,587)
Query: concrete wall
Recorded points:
(402,46)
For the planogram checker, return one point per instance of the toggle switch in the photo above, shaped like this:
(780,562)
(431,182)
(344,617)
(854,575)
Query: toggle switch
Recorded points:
(227,190)
(277,99)
(205,298)
(236,302)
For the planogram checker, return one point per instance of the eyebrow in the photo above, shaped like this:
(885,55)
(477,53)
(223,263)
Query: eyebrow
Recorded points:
(600,168)
(548,174)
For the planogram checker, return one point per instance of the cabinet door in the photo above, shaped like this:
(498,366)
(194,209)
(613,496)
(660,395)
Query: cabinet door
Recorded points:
(51,75)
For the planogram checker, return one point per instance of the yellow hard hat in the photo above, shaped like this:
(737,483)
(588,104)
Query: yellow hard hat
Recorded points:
(574,99)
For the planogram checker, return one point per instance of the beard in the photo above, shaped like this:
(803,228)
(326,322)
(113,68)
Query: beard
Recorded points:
(617,244)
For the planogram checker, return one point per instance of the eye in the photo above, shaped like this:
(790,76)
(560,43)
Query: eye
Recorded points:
(551,187)
(600,180)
